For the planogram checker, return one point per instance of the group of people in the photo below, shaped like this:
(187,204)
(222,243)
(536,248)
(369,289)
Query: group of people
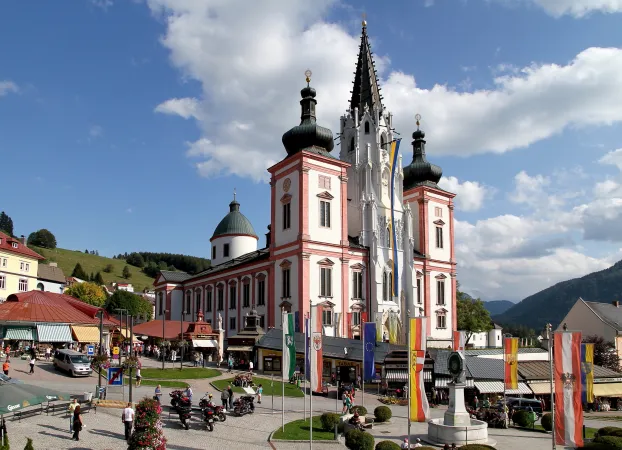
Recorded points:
(348,401)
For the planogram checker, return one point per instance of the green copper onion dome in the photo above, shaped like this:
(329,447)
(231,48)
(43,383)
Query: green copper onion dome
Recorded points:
(420,172)
(234,223)
(308,134)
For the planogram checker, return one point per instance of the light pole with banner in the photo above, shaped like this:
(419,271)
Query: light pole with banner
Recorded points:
(164,311)
(181,338)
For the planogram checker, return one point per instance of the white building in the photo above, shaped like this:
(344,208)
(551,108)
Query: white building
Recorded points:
(329,240)
(490,339)
(50,278)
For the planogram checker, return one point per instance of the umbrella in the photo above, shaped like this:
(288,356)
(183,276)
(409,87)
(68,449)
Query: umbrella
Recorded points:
(14,397)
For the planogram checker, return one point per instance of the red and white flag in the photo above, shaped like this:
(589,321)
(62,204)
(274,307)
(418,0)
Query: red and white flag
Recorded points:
(459,341)
(567,379)
(315,351)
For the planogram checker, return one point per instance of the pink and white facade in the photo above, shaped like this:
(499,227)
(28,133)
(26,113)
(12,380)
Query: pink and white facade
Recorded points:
(328,240)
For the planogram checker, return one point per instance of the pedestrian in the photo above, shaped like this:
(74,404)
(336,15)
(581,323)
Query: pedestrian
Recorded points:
(230,390)
(32,365)
(476,402)
(158,393)
(128,420)
(202,360)
(138,377)
(418,443)
(224,397)
(230,364)
(405,443)
(6,366)
(189,392)
(71,409)
(48,352)
(259,392)
(77,423)
(344,399)
(250,367)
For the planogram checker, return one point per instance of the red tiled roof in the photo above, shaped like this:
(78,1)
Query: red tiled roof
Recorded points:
(6,244)
(39,306)
(153,328)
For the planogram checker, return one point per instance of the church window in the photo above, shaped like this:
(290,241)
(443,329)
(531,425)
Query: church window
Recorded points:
(261,293)
(188,297)
(160,303)
(197,301)
(367,127)
(327,317)
(387,285)
(325,213)
(246,295)
(221,298)
(419,290)
(441,320)
(233,296)
(225,250)
(287,216)
(440,292)
(208,301)
(324,182)
(389,236)
(326,282)
(356,318)
(232,323)
(285,287)
(214,252)
(438,212)
(357,285)
(439,237)
(351,148)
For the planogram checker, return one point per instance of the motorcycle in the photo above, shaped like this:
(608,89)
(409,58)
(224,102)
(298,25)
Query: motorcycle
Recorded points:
(219,414)
(176,397)
(209,417)
(244,405)
(182,406)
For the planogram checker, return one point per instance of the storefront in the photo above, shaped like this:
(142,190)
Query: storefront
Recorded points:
(241,347)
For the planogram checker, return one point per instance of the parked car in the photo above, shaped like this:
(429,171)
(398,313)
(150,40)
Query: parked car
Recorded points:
(76,363)
(518,404)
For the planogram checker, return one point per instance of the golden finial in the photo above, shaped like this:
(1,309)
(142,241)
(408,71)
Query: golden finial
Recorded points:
(364,23)
(308,74)
(418,119)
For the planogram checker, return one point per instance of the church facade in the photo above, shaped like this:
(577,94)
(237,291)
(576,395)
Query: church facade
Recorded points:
(329,240)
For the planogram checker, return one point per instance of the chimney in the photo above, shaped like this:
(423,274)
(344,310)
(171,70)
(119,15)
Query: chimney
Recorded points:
(616,303)
(53,264)
(22,239)
(269,237)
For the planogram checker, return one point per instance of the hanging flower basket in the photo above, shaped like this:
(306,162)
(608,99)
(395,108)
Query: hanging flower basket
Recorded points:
(100,362)
(131,362)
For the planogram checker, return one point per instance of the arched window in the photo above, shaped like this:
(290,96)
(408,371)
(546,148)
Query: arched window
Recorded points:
(351,147)
(40,286)
(188,296)
(197,301)
(389,236)
(160,303)
(385,282)
(367,127)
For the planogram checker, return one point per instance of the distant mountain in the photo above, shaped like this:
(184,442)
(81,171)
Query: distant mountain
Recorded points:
(496,307)
(553,303)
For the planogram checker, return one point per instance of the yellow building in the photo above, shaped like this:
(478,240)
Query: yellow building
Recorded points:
(18,266)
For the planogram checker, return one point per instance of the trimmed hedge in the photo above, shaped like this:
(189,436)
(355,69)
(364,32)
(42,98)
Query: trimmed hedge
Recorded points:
(361,410)
(547,421)
(382,413)
(613,442)
(359,440)
(476,447)
(521,418)
(329,420)
(596,446)
(387,445)
(609,431)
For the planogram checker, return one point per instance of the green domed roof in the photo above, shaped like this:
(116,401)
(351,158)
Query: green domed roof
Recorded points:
(234,223)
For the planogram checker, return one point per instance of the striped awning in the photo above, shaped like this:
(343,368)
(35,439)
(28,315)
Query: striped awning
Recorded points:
(126,334)
(397,375)
(49,332)
(496,387)
(540,388)
(19,334)
(85,334)
(204,343)
(441,383)
(608,389)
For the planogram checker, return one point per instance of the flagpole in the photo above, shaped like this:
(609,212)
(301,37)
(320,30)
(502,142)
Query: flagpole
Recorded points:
(311,360)
(304,386)
(362,336)
(549,329)
(504,375)
(283,381)
(409,372)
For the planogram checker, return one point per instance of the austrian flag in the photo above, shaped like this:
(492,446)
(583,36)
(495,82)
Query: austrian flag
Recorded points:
(567,376)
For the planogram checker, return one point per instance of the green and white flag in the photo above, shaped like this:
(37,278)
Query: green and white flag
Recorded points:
(289,347)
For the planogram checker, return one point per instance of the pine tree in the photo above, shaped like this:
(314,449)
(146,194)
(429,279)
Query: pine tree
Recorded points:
(99,279)
(86,251)
(78,272)
(6,224)
(92,277)
(126,272)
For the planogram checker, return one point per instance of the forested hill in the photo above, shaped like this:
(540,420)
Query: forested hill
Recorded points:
(152,263)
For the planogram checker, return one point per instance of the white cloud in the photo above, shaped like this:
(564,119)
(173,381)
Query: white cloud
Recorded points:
(96,131)
(614,158)
(184,107)
(102,4)
(470,195)
(578,8)
(7,87)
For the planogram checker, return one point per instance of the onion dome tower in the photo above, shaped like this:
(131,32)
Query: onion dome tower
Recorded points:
(420,172)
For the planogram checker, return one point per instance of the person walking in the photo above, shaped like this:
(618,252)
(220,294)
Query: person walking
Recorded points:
(77,423)
(128,420)
(6,365)
(158,393)
(230,390)
(250,367)
(259,393)
(189,393)
(71,409)
(48,352)
(138,377)
(224,397)
(32,365)
(202,360)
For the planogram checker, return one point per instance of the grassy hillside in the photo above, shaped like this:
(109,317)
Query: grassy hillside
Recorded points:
(67,259)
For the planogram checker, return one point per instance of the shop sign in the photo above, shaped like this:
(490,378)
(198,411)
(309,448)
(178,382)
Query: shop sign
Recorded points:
(607,380)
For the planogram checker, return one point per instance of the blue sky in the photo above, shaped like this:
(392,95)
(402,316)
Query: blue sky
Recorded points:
(126,125)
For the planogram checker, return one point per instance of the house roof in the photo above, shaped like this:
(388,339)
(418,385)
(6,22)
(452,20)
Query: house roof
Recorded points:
(153,328)
(608,313)
(540,370)
(234,223)
(50,273)
(7,242)
(499,351)
(48,307)
(174,276)
(248,258)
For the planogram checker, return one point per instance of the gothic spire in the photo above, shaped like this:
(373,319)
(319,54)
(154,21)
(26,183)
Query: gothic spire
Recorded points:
(366,90)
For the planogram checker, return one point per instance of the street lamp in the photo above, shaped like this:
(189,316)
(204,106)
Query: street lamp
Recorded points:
(181,338)
(164,311)
(100,313)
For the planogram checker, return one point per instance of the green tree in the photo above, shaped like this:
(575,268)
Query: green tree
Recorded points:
(78,272)
(86,251)
(151,269)
(135,304)
(42,238)
(88,292)
(126,272)
(6,223)
(473,317)
(99,280)
(135,260)
(108,268)
(604,353)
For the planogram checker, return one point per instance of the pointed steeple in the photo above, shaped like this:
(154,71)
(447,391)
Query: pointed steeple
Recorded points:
(366,90)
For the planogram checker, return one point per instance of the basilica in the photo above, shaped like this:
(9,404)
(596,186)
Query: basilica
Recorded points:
(343,234)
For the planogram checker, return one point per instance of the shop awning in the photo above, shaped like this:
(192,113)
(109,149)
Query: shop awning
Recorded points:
(19,334)
(126,334)
(397,375)
(441,383)
(85,334)
(205,343)
(240,348)
(496,387)
(540,388)
(49,332)
(608,390)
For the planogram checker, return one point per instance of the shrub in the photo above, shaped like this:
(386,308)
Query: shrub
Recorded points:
(476,447)
(382,413)
(147,427)
(613,442)
(547,421)
(521,418)
(387,445)
(609,431)
(361,410)
(352,437)
(329,420)
(596,446)
(29,445)
(359,440)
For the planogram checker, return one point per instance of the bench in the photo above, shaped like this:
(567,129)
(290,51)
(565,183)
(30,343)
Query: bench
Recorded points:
(25,413)
(56,407)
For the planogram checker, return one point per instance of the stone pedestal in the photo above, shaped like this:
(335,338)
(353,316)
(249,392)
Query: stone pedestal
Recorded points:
(456,414)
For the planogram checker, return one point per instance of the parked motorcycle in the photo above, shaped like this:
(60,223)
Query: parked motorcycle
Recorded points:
(219,414)
(209,417)
(182,406)
(176,396)
(244,405)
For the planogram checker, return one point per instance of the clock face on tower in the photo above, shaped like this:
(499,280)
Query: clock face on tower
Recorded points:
(286,185)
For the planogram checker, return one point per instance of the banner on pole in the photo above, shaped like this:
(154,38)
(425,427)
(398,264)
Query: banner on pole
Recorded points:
(315,350)
(510,358)
(587,373)
(289,347)
(419,407)
(567,381)
(379,330)
(369,335)
(458,341)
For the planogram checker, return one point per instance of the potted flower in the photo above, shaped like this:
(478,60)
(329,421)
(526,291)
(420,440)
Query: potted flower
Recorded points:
(100,362)
(131,362)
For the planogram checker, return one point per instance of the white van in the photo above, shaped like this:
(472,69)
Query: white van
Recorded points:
(76,363)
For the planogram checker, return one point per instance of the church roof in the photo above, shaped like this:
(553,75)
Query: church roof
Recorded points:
(421,172)
(234,223)
(366,89)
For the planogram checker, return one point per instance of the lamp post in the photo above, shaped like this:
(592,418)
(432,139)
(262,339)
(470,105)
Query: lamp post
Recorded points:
(181,338)
(131,318)
(164,311)
(100,313)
